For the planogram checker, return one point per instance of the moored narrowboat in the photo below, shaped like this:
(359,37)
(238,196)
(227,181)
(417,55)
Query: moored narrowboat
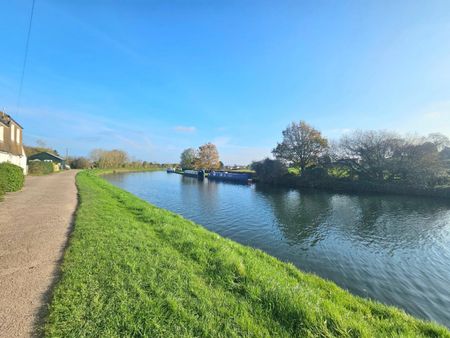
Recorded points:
(232,177)
(200,174)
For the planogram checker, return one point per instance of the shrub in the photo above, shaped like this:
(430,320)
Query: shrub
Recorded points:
(316,173)
(40,168)
(269,170)
(11,178)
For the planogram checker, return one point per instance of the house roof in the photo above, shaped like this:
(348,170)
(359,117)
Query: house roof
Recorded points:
(45,152)
(6,119)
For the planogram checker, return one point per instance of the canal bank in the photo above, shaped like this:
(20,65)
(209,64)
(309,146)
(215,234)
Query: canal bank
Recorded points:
(135,269)
(391,248)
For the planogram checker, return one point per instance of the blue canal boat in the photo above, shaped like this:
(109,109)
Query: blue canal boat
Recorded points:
(231,177)
(200,174)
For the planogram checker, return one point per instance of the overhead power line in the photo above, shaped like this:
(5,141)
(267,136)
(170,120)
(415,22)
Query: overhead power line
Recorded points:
(27,44)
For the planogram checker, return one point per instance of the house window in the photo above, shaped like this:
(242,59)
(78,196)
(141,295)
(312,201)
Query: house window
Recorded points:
(13,132)
(17,135)
(2,133)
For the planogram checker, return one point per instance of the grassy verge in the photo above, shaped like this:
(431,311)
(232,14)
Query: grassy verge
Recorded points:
(132,270)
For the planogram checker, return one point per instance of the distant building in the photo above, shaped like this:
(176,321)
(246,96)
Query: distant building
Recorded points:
(58,162)
(11,142)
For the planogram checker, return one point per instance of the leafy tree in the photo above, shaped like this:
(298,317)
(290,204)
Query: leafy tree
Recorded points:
(418,164)
(188,158)
(208,157)
(302,146)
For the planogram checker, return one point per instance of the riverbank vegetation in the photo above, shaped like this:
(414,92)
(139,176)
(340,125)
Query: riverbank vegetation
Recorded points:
(11,178)
(40,168)
(132,269)
(378,161)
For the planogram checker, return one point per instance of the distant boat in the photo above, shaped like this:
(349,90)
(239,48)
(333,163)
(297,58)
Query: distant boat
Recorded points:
(232,177)
(171,170)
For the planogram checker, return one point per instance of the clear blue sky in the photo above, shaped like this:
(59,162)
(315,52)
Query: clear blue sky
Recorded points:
(155,77)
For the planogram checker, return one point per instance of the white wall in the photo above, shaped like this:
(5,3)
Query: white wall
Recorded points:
(21,161)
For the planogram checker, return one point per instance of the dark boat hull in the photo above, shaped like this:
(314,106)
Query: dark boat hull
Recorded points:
(230,177)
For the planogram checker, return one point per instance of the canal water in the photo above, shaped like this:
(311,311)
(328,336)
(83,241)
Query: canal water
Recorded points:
(394,249)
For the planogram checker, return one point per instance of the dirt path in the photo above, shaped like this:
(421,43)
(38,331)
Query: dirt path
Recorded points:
(34,225)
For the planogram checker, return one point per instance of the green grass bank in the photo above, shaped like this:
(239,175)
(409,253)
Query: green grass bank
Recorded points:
(134,270)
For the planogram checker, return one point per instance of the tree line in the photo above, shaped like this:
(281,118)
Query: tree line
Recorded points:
(108,159)
(365,156)
(205,157)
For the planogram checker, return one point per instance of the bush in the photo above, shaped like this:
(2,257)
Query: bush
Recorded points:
(316,173)
(268,170)
(40,168)
(11,178)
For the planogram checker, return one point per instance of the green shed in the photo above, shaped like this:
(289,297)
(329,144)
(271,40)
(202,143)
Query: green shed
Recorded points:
(45,156)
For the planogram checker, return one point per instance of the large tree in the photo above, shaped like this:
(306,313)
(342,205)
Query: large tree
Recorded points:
(188,158)
(369,153)
(439,140)
(386,156)
(109,158)
(208,157)
(418,164)
(302,145)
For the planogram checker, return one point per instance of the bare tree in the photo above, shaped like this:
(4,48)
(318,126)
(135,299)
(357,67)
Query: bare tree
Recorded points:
(384,156)
(368,152)
(302,145)
(96,154)
(208,157)
(109,158)
(439,140)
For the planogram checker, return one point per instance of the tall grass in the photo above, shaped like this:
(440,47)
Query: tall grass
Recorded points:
(135,270)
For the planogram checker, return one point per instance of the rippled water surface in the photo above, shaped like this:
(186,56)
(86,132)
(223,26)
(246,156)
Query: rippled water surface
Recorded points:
(394,249)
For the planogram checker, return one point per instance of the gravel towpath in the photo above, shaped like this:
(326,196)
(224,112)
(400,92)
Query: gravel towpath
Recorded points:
(34,228)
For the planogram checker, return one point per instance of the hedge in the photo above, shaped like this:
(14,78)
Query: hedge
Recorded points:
(40,167)
(11,178)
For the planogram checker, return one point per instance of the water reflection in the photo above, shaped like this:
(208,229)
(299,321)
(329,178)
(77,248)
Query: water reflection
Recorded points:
(390,222)
(391,248)
(300,216)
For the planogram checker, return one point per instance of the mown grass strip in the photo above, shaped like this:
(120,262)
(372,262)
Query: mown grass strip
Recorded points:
(135,270)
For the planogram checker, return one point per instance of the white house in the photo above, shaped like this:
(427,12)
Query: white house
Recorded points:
(11,142)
